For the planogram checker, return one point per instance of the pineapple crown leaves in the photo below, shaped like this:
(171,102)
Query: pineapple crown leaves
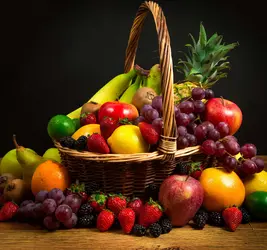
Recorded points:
(206,59)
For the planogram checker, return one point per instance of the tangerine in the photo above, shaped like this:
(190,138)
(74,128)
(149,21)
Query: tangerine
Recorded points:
(49,175)
(221,189)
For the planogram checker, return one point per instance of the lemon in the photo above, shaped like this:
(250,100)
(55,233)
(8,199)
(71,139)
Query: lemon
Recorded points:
(256,182)
(87,130)
(127,139)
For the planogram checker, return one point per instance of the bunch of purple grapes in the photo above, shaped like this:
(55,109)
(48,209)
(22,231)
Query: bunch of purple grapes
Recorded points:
(152,114)
(53,208)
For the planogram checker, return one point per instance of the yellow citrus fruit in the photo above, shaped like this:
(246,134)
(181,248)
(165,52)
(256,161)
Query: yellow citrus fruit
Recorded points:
(221,189)
(127,139)
(49,175)
(87,130)
(256,182)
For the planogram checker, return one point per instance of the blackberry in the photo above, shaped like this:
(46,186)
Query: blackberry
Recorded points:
(200,220)
(139,230)
(85,209)
(155,230)
(92,187)
(181,168)
(245,216)
(166,225)
(67,142)
(215,219)
(152,191)
(86,221)
(81,143)
(203,213)
(116,224)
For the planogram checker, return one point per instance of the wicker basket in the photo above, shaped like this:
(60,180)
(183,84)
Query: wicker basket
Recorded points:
(131,174)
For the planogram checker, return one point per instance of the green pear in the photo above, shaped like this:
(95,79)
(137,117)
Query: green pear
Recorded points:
(28,160)
(52,154)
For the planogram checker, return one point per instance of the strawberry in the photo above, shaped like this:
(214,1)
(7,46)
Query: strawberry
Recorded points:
(135,204)
(116,202)
(150,213)
(149,133)
(98,201)
(105,220)
(96,143)
(126,218)
(87,118)
(76,188)
(232,217)
(8,211)
(196,170)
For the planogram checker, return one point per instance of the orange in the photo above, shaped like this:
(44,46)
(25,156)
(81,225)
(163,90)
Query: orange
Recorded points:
(87,130)
(49,175)
(221,189)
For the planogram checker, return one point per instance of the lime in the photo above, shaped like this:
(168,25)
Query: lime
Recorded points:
(76,122)
(127,139)
(60,126)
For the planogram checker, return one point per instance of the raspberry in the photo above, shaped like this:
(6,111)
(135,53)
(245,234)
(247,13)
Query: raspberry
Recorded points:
(67,142)
(166,225)
(85,209)
(215,219)
(81,143)
(139,230)
(86,221)
(155,230)
(245,216)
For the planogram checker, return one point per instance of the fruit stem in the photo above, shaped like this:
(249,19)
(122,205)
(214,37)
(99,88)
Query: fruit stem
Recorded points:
(141,71)
(15,142)
(3,179)
(223,102)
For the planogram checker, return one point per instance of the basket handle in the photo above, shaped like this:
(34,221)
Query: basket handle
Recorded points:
(167,143)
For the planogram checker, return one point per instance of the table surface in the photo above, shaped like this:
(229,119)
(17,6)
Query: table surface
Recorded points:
(25,236)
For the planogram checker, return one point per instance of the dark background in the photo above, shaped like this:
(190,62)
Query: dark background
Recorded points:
(56,54)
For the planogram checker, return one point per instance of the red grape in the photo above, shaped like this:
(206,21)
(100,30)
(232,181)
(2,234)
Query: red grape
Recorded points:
(26,202)
(49,206)
(71,222)
(158,124)
(191,127)
(186,107)
(63,212)
(230,137)
(139,119)
(220,150)
(249,167)
(248,150)
(259,162)
(213,135)
(51,223)
(199,106)
(182,119)
(229,163)
(144,109)
(208,124)
(28,210)
(231,146)
(74,202)
(208,147)
(41,196)
(198,93)
(201,132)
(223,129)
(191,139)
(192,117)
(57,195)
(38,212)
(157,103)
(182,131)
(151,115)
(209,94)
(182,142)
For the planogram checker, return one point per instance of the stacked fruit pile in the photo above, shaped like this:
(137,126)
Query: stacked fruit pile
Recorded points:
(125,117)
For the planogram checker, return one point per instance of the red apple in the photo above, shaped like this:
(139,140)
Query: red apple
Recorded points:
(181,196)
(117,110)
(222,110)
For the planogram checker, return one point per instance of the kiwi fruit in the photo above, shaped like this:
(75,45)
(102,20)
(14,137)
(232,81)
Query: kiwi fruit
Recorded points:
(4,179)
(143,96)
(90,107)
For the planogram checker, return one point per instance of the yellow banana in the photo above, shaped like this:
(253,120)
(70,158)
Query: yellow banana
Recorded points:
(127,96)
(154,79)
(109,92)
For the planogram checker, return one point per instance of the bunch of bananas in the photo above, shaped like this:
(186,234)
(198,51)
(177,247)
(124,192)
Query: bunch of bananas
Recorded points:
(123,87)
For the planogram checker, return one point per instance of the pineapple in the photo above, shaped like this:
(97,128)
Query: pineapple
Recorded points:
(205,63)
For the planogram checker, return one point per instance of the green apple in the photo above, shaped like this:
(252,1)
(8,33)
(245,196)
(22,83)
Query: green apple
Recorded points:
(52,154)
